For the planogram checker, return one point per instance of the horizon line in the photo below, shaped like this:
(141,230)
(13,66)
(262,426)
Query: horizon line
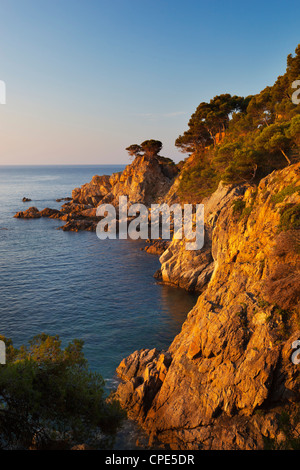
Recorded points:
(63,164)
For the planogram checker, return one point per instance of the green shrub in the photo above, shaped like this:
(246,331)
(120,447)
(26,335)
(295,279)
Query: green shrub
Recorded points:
(48,393)
(290,217)
(198,181)
(287,191)
(238,206)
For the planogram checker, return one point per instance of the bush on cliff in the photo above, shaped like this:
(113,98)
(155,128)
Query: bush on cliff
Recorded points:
(49,397)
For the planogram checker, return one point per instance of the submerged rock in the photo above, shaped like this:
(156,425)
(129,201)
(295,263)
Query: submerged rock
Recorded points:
(64,199)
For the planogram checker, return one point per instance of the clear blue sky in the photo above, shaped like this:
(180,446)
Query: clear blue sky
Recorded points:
(87,78)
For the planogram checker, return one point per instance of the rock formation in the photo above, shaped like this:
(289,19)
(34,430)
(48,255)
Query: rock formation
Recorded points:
(192,270)
(228,377)
(156,247)
(146,180)
(30,213)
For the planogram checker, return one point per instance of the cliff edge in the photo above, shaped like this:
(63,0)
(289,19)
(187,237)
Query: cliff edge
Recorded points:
(228,378)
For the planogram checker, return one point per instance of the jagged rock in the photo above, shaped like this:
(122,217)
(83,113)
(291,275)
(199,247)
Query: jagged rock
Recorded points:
(145,180)
(192,270)
(31,213)
(232,357)
(82,447)
(74,208)
(51,213)
(26,199)
(89,213)
(143,373)
(157,275)
(156,247)
(93,192)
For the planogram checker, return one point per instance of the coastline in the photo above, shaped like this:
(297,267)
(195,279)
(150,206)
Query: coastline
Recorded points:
(220,403)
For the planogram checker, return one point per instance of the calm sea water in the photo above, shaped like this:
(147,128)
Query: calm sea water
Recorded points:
(73,284)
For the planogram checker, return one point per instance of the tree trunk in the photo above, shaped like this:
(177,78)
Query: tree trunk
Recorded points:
(285,156)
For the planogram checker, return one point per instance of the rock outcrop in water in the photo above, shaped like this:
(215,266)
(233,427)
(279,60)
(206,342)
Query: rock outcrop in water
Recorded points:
(146,180)
(228,378)
(30,213)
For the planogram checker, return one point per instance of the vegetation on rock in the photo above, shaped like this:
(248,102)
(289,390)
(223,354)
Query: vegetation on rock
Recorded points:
(149,148)
(236,139)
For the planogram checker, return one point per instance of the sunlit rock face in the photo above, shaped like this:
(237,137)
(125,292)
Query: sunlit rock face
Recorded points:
(146,180)
(228,375)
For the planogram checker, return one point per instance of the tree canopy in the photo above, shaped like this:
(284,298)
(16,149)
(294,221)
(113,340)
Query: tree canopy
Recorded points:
(237,139)
(149,148)
(134,150)
(209,120)
(48,395)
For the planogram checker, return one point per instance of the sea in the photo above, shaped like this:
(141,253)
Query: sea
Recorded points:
(72,284)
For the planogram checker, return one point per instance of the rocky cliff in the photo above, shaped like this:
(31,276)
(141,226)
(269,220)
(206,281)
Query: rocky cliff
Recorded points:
(227,380)
(191,270)
(146,180)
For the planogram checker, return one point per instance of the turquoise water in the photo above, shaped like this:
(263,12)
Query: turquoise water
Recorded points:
(73,284)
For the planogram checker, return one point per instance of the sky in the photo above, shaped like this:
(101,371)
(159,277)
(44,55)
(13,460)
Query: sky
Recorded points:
(87,78)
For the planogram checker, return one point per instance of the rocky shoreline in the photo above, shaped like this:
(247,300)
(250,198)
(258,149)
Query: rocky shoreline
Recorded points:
(146,180)
(227,380)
